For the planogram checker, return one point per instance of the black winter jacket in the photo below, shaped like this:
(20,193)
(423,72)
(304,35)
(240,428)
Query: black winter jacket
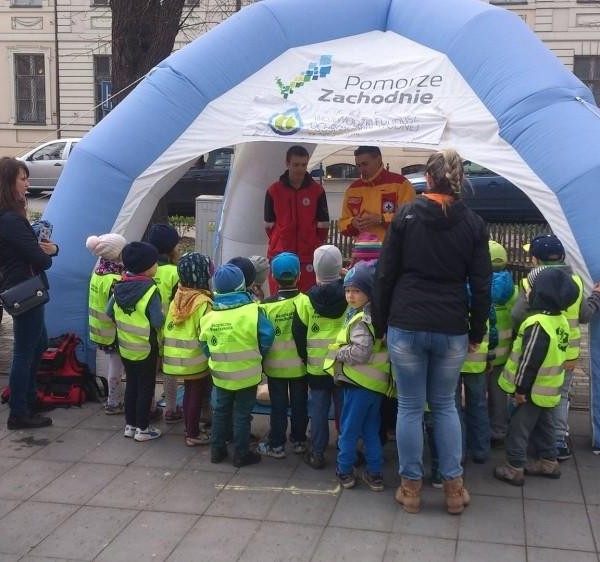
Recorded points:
(20,254)
(428,257)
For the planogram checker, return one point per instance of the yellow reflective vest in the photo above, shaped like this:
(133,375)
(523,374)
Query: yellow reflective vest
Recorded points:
(102,329)
(283,360)
(232,338)
(321,332)
(504,328)
(374,375)
(545,391)
(134,330)
(166,279)
(182,354)
(476,361)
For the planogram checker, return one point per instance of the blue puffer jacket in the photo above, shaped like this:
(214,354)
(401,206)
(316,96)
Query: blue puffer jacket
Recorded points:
(503,288)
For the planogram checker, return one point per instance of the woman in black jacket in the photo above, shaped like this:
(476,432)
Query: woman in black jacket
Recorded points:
(22,257)
(433,248)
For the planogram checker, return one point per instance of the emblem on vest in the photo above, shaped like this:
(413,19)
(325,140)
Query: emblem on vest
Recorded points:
(214,340)
(563,339)
(314,328)
(170,325)
(277,331)
(306,201)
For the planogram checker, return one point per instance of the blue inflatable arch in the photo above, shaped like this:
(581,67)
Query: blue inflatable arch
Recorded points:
(414,73)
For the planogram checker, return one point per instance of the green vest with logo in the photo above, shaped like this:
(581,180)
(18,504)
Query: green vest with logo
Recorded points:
(321,332)
(133,330)
(283,360)
(102,328)
(232,338)
(572,316)
(545,391)
(476,361)
(504,328)
(166,279)
(182,353)
(374,375)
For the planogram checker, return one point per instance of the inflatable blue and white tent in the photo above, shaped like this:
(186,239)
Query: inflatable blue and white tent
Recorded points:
(411,73)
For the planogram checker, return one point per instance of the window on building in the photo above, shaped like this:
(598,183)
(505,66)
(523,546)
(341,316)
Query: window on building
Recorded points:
(102,82)
(26,3)
(30,89)
(100,2)
(587,69)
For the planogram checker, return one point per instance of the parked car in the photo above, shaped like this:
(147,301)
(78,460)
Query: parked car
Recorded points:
(208,176)
(46,162)
(491,196)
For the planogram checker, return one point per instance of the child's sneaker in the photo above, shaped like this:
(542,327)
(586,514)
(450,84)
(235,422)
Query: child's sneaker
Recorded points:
(203,438)
(564,452)
(173,416)
(436,479)
(374,480)
(299,447)
(267,451)
(129,431)
(249,458)
(147,434)
(114,410)
(314,459)
(218,455)
(346,480)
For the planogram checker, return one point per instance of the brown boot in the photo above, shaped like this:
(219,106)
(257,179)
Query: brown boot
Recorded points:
(408,495)
(543,467)
(510,474)
(457,496)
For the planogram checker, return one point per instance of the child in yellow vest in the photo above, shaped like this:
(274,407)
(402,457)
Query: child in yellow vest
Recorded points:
(534,373)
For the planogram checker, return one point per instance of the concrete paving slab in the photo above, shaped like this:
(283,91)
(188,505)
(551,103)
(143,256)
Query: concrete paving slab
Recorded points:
(277,468)
(167,452)
(45,559)
(25,479)
(558,525)
(99,420)
(23,444)
(535,554)
(7,505)
(349,545)
(247,496)
(423,549)
(201,461)
(94,528)
(134,488)
(69,417)
(189,491)
(116,450)
(8,462)
(273,542)
(363,509)
(79,483)
(582,448)
(469,551)
(150,536)
(305,501)
(579,423)
(493,519)
(593,512)
(565,489)
(26,525)
(432,521)
(327,474)
(73,445)
(479,480)
(217,538)
(10,557)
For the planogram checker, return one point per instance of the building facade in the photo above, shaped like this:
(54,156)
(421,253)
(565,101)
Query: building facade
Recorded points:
(55,55)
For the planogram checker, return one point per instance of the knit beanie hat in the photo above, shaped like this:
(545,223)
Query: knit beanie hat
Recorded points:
(229,279)
(546,247)
(261,265)
(107,246)
(247,268)
(194,270)
(139,256)
(285,266)
(367,247)
(327,263)
(552,289)
(498,255)
(163,237)
(362,277)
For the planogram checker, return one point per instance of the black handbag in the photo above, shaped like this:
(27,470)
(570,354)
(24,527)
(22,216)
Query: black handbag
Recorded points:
(25,295)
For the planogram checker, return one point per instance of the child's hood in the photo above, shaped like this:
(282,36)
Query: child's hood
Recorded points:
(503,287)
(329,299)
(129,291)
(231,300)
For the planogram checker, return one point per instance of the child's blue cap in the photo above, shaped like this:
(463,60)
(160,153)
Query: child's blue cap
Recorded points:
(285,266)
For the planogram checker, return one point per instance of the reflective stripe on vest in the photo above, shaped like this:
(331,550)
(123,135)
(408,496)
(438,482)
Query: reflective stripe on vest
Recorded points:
(166,279)
(232,338)
(182,353)
(545,391)
(374,375)
(133,330)
(321,332)
(504,328)
(102,327)
(283,360)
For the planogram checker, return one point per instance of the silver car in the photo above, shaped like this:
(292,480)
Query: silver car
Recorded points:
(46,163)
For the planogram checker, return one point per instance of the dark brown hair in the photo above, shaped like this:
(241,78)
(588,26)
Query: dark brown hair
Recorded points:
(296,150)
(9,171)
(371,150)
(446,171)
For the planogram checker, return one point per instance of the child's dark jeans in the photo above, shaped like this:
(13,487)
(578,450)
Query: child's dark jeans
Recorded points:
(139,389)
(298,400)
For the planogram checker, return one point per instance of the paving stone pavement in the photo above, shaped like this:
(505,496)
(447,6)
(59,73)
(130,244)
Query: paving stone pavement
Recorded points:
(79,491)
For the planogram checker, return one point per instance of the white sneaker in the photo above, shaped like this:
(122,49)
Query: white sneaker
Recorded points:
(147,434)
(129,431)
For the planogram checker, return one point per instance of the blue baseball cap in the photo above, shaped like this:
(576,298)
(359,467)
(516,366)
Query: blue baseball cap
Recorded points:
(285,266)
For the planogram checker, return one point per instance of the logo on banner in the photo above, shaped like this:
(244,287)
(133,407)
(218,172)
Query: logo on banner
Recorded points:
(286,123)
(314,71)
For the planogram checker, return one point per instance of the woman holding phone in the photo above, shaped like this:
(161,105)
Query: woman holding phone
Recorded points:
(22,256)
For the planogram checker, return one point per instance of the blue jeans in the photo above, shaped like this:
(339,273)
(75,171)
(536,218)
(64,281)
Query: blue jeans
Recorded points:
(560,413)
(30,341)
(361,417)
(474,417)
(298,400)
(320,403)
(236,405)
(426,366)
